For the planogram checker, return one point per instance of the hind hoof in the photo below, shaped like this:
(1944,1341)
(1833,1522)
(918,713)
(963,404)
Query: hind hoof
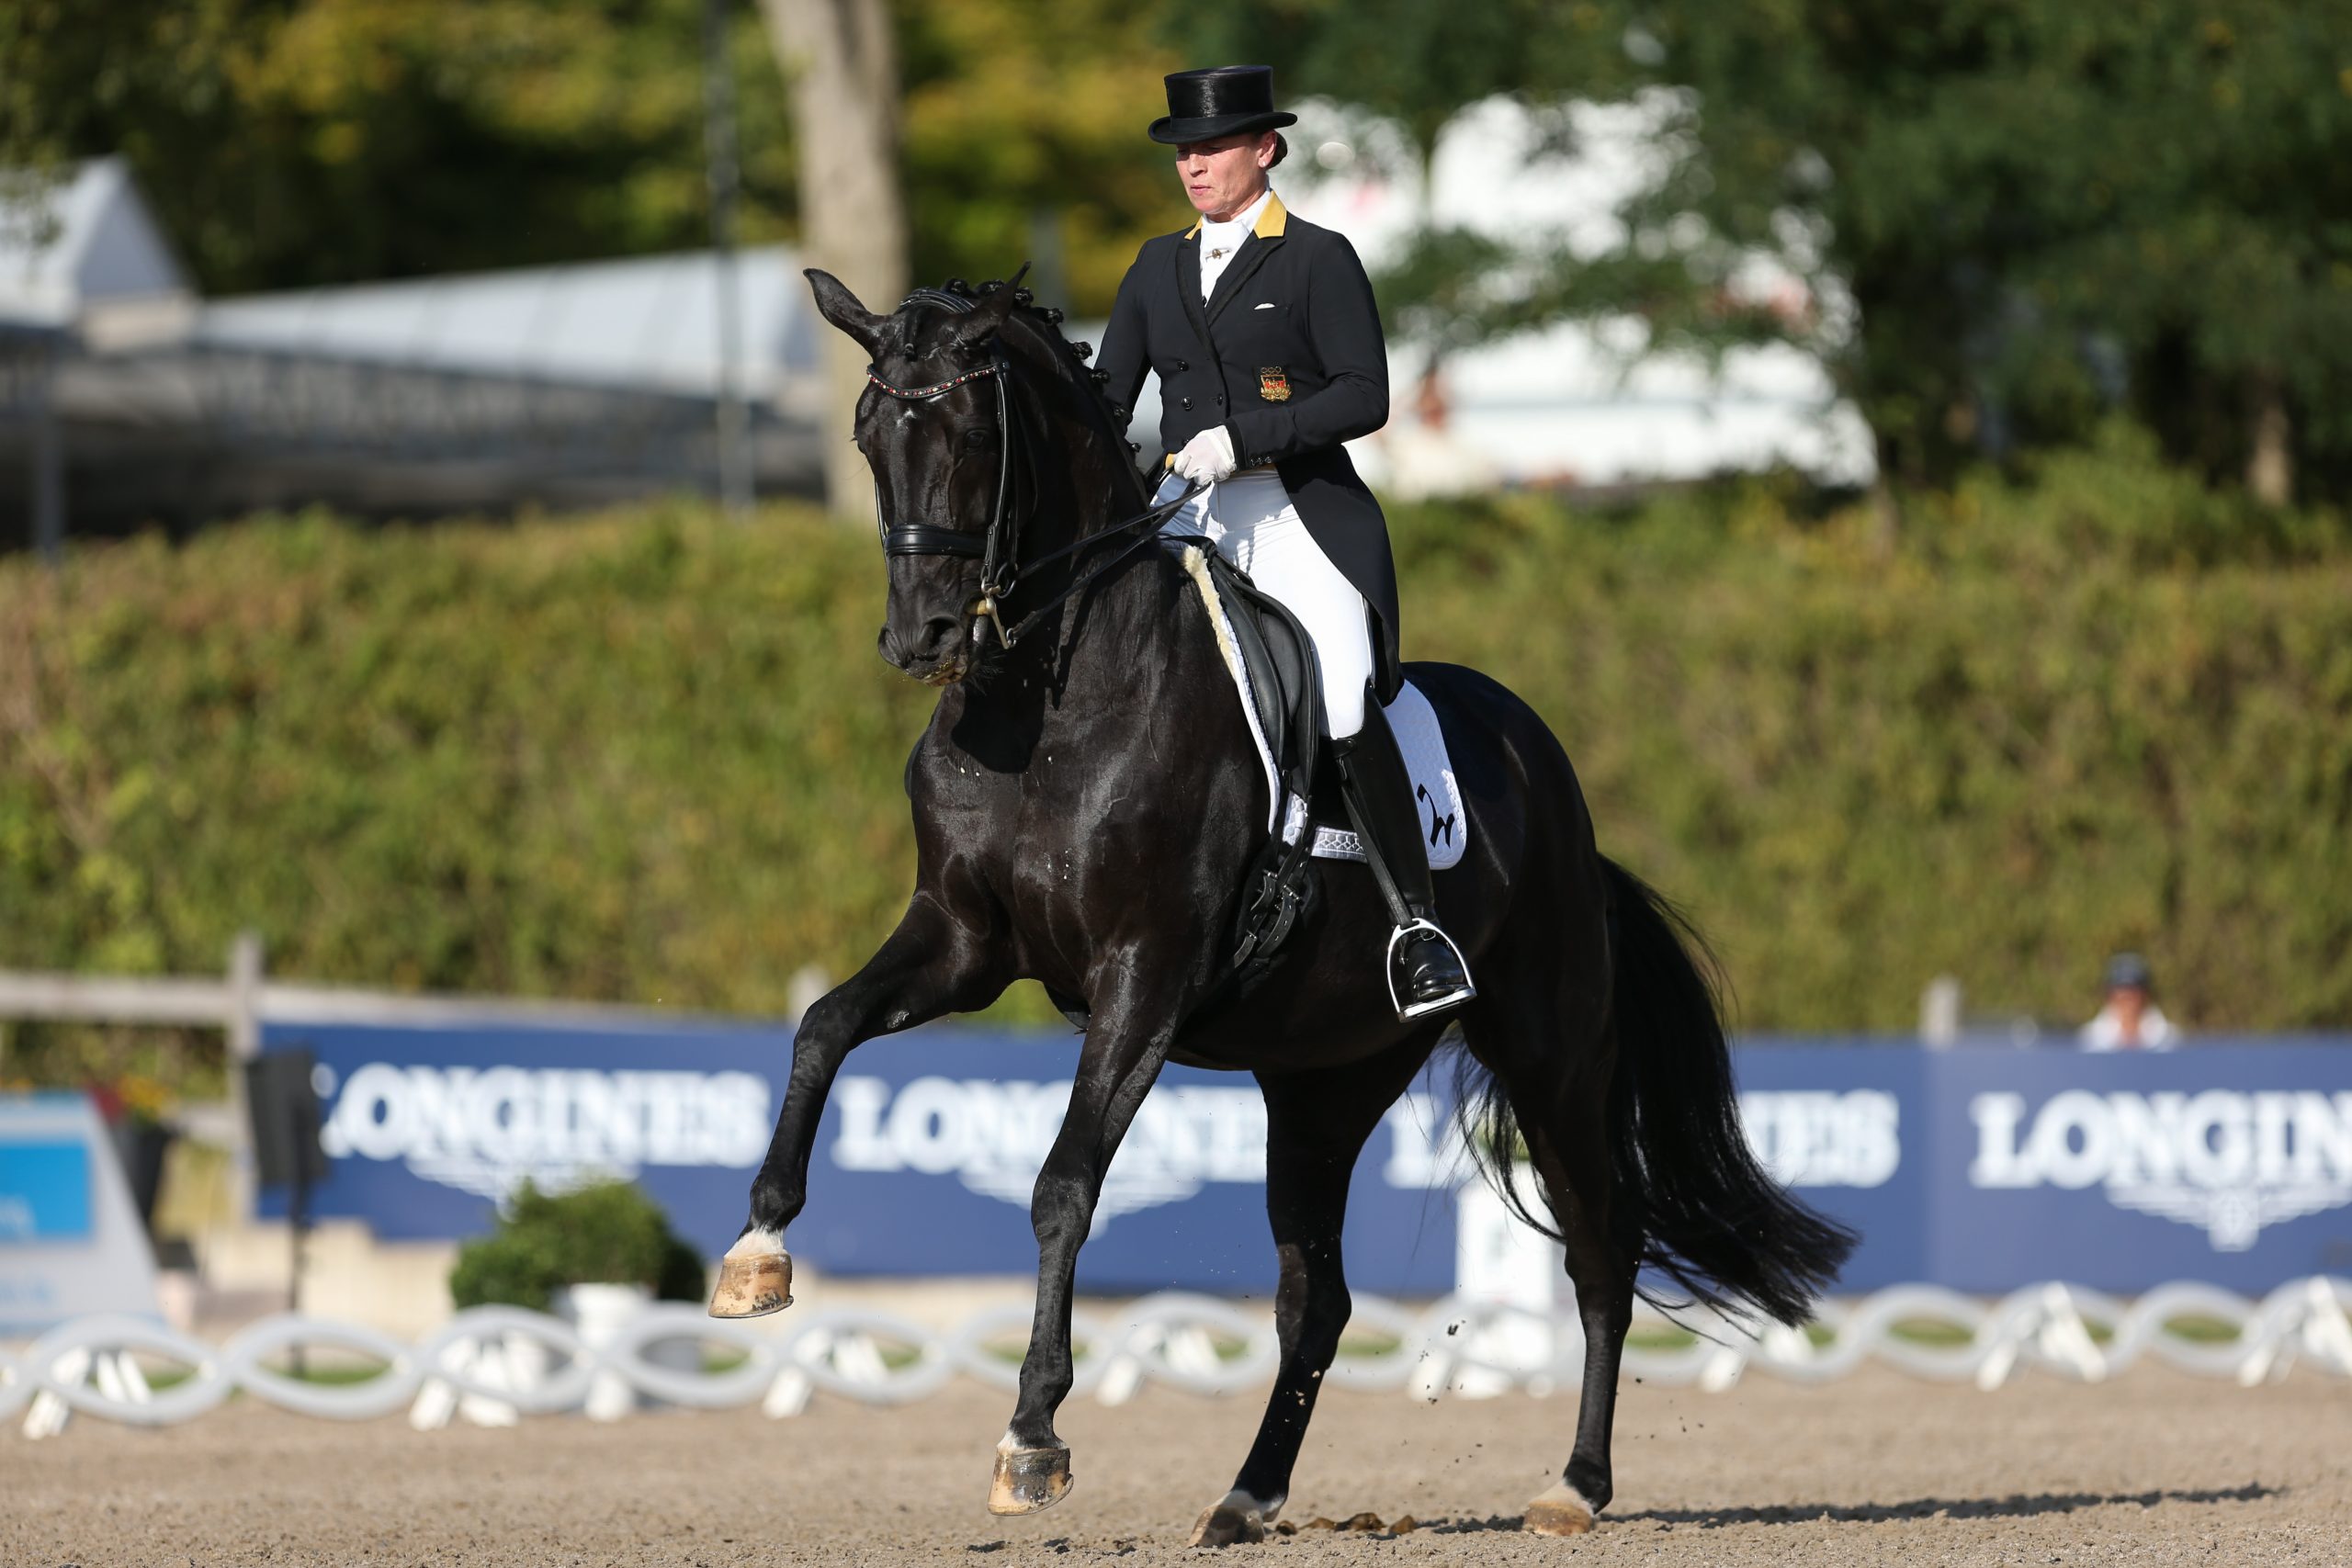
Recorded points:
(1029,1481)
(1559,1509)
(753,1285)
(1240,1520)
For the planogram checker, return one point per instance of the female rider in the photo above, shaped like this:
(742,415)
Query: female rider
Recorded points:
(1263,329)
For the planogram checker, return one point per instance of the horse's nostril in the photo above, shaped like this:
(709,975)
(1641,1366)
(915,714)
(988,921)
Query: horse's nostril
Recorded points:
(939,634)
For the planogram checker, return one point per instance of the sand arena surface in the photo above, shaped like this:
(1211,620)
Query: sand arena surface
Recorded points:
(2156,1468)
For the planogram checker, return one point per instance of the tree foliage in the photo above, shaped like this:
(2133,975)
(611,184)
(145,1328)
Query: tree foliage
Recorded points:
(292,142)
(2015,216)
(1029,115)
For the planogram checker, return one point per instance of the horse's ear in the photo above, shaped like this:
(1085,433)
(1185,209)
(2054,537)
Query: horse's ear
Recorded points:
(970,331)
(839,306)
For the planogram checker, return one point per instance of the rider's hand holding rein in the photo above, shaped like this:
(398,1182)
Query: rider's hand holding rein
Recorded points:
(1207,459)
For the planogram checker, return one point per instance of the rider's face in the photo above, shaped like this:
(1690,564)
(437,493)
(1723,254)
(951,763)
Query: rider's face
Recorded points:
(1224,175)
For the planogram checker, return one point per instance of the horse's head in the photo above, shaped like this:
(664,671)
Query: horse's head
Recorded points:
(938,423)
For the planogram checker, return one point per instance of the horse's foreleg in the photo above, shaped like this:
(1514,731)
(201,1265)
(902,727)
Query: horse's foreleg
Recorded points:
(929,966)
(1124,1051)
(1317,1123)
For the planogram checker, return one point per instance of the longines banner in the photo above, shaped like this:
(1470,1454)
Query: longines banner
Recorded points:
(1977,1170)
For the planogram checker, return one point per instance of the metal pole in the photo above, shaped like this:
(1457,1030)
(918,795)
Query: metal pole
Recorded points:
(243,1022)
(297,1229)
(719,148)
(244,999)
(49,466)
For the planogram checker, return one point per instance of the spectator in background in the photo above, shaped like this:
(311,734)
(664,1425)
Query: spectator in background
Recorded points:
(2131,1020)
(1425,456)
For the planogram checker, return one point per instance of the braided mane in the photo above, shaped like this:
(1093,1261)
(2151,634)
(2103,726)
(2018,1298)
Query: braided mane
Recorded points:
(1043,322)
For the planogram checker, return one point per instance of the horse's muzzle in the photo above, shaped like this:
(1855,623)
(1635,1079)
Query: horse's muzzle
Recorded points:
(938,655)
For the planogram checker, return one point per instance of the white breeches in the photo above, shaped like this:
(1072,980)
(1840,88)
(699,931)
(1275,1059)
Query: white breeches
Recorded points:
(1254,526)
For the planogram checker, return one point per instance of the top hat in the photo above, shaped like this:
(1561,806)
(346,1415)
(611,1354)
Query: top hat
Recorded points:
(1224,100)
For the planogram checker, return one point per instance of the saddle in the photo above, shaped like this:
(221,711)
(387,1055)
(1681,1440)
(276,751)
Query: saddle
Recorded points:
(1273,661)
(1276,661)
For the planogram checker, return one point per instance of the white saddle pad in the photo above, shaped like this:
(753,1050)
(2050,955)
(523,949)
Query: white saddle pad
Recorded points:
(1445,826)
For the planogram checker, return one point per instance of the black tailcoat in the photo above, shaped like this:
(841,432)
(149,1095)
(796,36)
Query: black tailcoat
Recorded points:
(1288,357)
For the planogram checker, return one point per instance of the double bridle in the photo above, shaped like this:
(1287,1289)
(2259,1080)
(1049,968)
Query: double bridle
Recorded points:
(999,549)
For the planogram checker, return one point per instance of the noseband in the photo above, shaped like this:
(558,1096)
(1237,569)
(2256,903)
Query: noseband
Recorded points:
(999,549)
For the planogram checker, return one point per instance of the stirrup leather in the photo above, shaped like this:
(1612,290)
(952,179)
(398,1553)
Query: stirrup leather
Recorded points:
(1468,992)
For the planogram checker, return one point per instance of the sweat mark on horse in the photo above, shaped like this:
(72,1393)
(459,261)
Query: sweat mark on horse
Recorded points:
(1086,807)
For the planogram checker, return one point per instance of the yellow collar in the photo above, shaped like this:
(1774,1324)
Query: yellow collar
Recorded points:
(1268,226)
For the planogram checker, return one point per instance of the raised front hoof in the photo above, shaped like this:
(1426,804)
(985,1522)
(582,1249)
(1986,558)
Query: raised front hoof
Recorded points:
(1559,1510)
(1237,1521)
(752,1286)
(1029,1481)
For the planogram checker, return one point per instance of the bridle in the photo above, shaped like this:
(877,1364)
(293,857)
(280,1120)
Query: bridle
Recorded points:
(999,549)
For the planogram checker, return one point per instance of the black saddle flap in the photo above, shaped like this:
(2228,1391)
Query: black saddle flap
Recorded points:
(1280,892)
(1285,681)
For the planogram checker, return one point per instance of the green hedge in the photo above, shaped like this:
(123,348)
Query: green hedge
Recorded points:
(652,756)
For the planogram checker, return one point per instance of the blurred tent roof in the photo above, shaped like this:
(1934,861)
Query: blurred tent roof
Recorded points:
(86,255)
(561,385)
(648,324)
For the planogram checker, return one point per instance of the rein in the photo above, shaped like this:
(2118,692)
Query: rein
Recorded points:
(999,549)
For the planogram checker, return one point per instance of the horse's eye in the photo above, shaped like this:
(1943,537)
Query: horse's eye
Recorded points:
(979,440)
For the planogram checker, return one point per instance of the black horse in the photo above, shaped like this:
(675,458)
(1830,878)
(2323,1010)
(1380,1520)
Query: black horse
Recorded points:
(1087,804)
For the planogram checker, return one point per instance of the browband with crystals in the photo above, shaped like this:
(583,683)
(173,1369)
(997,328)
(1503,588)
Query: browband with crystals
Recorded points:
(929,391)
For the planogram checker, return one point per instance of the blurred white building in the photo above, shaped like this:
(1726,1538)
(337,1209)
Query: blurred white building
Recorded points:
(1573,406)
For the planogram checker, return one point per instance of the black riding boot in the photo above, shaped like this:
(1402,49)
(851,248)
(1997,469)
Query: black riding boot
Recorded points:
(1426,974)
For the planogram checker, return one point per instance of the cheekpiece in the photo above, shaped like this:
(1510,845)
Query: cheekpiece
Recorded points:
(1224,100)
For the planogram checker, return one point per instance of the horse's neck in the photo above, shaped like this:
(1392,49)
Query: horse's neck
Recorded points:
(1129,637)
(1116,652)
(1115,641)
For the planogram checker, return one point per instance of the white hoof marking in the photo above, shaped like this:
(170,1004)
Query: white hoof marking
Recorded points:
(757,1242)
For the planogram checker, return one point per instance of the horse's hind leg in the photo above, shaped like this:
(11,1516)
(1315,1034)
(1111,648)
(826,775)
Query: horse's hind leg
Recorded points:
(1579,1184)
(1555,1075)
(1316,1125)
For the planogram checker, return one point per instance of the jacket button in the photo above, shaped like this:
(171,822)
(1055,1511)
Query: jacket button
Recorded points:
(1187,404)
(1184,364)
(1220,400)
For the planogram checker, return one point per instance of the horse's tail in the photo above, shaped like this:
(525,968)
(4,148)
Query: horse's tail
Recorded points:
(1711,1218)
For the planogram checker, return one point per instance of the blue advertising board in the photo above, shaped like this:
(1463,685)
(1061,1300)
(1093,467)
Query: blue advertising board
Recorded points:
(1979,1169)
(44,1192)
(2227,1164)
(923,1163)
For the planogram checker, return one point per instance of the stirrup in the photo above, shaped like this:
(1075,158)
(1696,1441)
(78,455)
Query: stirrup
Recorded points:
(1388,973)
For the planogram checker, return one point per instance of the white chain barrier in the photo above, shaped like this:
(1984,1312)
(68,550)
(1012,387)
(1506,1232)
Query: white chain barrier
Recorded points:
(493,1364)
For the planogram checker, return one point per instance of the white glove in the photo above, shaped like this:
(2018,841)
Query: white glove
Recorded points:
(1207,458)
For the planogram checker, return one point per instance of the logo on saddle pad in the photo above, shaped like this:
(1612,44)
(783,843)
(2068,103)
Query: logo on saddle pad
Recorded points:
(1273,383)
(2223,1160)
(1440,826)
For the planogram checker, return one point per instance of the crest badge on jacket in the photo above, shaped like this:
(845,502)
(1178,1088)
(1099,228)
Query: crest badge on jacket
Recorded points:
(1273,383)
